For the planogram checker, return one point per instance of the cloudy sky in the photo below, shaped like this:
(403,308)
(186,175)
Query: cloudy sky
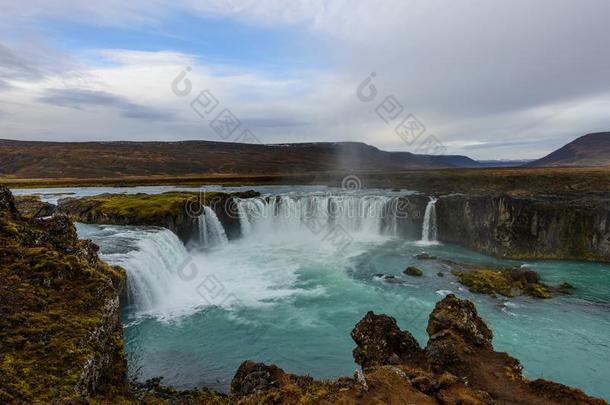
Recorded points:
(493,80)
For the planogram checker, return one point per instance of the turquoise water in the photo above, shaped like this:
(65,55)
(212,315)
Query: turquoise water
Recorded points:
(299,302)
(287,295)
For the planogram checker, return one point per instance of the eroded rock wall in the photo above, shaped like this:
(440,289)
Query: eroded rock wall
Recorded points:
(546,227)
(60,332)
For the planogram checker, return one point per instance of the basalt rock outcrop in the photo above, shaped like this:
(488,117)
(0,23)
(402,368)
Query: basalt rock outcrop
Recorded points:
(409,212)
(508,281)
(380,341)
(60,333)
(30,206)
(543,227)
(458,366)
(176,211)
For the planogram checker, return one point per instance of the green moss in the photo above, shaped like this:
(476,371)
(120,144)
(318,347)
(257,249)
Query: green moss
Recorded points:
(144,206)
(485,281)
(539,291)
(54,313)
(507,282)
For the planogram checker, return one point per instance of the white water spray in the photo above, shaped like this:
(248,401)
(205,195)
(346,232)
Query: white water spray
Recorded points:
(151,264)
(429,228)
(211,231)
(358,215)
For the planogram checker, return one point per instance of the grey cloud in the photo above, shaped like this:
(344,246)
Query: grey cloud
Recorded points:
(476,58)
(81,99)
(13,66)
(272,122)
(4,85)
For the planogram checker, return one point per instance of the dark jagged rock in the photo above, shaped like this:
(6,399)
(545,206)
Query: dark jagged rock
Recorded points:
(254,378)
(459,317)
(413,271)
(30,206)
(380,341)
(461,343)
(7,201)
(537,227)
(458,366)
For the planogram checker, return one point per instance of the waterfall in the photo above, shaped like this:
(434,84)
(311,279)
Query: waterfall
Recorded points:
(211,231)
(429,229)
(151,261)
(365,215)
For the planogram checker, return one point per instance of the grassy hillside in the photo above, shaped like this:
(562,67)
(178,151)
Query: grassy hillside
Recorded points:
(118,159)
(589,150)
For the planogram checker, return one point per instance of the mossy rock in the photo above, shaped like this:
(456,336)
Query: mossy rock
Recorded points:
(538,291)
(508,282)
(60,331)
(486,281)
(413,271)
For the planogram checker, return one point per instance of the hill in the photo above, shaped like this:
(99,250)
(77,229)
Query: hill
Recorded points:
(589,150)
(25,159)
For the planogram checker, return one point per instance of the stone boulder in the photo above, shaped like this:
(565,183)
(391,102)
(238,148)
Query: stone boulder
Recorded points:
(255,378)
(7,202)
(413,271)
(379,342)
(459,317)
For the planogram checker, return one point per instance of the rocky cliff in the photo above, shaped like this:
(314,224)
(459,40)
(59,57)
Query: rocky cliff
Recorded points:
(176,211)
(457,366)
(60,333)
(544,227)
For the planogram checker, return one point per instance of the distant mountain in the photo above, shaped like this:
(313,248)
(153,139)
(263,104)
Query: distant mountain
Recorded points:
(588,150)
(114,159)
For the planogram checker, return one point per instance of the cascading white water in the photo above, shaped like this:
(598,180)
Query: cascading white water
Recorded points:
(155,259)
(429,228)
(211,231)
(371,215)
(151,264)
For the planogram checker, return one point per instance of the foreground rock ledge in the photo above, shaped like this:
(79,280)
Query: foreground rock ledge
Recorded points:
(458,366)
(60,332)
